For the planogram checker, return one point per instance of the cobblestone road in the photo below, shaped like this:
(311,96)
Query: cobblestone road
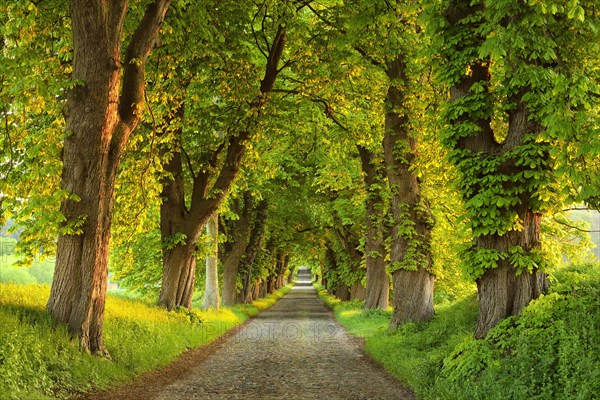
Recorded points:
(295,350)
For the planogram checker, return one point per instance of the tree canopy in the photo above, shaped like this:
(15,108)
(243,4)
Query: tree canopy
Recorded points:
(385,145)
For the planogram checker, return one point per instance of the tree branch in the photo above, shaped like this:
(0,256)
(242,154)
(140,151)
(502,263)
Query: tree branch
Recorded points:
(201,203)
(255,34)
(200,186)
(575,227)
(341,30)
(142,42)
(272,70)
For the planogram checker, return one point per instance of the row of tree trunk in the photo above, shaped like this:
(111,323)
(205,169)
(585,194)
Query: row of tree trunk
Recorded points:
(502,291)
(246,237)
(410,257)
(102,111)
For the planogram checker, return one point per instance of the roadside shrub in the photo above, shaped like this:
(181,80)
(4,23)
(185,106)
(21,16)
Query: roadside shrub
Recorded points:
(551,351)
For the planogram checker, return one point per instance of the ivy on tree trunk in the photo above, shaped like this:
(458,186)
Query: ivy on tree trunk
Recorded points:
(504,171)
(410,256)
(377,291)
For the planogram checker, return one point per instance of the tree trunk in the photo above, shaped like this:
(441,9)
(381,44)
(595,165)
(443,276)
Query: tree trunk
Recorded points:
(282,264)
(100,115)
(350,244)
(179,277)
(271,284)
(413,221)
(255,294)
(501,291)
(231,263)
(357,291)
(377,291)
(413,301)
(342,292)
(263,290)
(211,291)
(206,200)
(179,245)
(257,236)
(177,221)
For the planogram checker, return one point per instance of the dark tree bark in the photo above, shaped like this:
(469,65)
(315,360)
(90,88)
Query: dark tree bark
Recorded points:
(282,265)
(101,113)
(413,290)
(271,284)
(350,246)
(255,244)
(502,291)
(181,228)
(231,264)
(377,291)
(205,201)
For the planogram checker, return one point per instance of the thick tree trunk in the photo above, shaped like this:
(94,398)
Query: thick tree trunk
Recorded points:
(504,290)
(271,284)
(211,291)
(501,291)
(179,277)
(377,291)
(232,261)
(100,115)
(78,290)
(263,290)
(282,264)
(413,221)
(413,301)
(230,272)
(179,258)
(255,294)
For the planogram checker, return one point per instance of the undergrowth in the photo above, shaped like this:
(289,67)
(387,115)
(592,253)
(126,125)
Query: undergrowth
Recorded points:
(551,351)
(38,361)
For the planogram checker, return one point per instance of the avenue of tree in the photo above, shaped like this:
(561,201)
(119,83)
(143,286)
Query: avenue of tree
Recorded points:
(204,151)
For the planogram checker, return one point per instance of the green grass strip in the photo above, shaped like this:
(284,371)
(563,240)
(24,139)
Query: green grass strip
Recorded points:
(39,361)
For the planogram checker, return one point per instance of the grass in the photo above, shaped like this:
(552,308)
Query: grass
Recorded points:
(551,351)
(39,361)
(414,353)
